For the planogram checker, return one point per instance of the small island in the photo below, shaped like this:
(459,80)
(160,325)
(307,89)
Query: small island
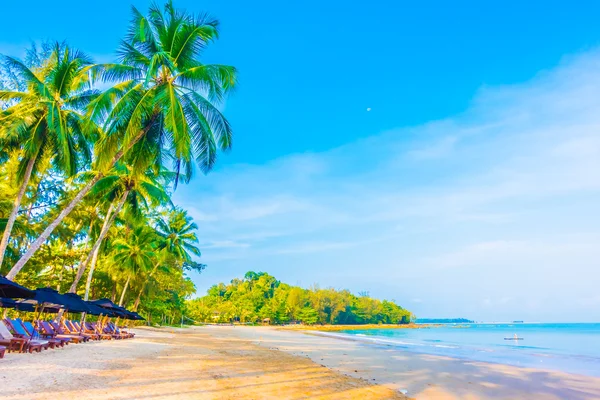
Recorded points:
(259,298)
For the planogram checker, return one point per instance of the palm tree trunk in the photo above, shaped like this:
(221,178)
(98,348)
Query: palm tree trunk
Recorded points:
(50,228)
(124,291)
(93,255)
(35,246)
(88,282)
(83,264)
(139,296)
(15,211)
(113,293)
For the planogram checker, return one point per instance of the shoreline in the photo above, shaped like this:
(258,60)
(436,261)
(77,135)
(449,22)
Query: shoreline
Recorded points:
(425,376)
(336,328)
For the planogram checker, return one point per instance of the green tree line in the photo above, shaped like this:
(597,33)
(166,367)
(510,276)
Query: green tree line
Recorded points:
(91,153)
(259,297)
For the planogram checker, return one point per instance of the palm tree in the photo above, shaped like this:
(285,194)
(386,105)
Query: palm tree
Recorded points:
(46,120)
(176,245)
(164,104)
(134,254)
(122,187)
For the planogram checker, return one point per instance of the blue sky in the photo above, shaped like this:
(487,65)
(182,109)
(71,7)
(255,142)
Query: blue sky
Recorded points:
(471,188)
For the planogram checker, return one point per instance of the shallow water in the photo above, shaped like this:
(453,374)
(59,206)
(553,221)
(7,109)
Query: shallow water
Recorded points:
(573,348)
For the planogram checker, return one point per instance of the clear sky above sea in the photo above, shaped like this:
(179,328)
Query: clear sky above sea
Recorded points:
(470,189)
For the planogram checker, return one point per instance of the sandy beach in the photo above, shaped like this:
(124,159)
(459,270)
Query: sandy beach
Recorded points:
(267,363)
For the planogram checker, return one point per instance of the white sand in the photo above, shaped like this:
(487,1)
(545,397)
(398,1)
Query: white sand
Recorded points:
(199,363)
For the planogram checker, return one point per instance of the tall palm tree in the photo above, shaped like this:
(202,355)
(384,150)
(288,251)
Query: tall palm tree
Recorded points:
(122,187)
(47,120)
(165,101)
(177,241)
(134,254)
(179,233)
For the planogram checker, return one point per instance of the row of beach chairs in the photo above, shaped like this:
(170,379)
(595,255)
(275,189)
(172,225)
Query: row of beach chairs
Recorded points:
(23,336)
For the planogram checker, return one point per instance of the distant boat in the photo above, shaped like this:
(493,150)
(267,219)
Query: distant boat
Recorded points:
(515,337)
(517,322)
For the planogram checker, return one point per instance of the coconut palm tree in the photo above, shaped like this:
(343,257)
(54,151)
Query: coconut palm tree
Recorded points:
(177,241)
(46,120)
(123,187)
(164,106)
(134,254)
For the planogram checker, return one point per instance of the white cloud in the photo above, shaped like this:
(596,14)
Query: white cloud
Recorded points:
(514,182)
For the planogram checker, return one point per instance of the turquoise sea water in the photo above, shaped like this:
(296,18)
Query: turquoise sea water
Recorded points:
(573,348)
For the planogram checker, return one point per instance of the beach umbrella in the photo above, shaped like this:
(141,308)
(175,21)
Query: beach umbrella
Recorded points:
(10,289)
(7,303)
(125,313)
(78,305)
(96,310)
(112,309)
(49,296)
(23,305)
(106,303)
(136,316)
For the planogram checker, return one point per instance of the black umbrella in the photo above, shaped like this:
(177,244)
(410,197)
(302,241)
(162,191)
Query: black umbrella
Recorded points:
(13,290)
(106,303)
(23,305)
(7,303)
(127,314)
(112,310)
(96,310)
(77,304)
(136,316)
(48,296)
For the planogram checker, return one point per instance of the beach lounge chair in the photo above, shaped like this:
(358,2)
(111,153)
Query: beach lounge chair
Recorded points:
(72,329)
(114,330)
(19,331)
(89,328)
(61,330)
(46,329)
(35,333)
(110,328)
(122,331)
(14,343)
(2,351)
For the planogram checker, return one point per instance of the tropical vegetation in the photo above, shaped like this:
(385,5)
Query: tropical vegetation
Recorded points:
(90,155)
(260,297)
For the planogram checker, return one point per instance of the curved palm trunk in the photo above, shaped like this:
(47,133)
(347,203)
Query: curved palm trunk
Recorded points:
(93,255)
(83,264)
(15,211)
(124,291)
(35,246)
(50,228)
(88,282)
(139,296)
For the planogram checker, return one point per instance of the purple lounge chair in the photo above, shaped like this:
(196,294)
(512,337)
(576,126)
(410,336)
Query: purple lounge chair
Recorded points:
(63,331)
(48,330)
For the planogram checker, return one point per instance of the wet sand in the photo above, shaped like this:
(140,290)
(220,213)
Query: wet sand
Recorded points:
(426,376)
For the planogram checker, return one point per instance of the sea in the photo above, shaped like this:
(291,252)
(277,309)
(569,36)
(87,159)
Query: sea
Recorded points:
(567,347)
